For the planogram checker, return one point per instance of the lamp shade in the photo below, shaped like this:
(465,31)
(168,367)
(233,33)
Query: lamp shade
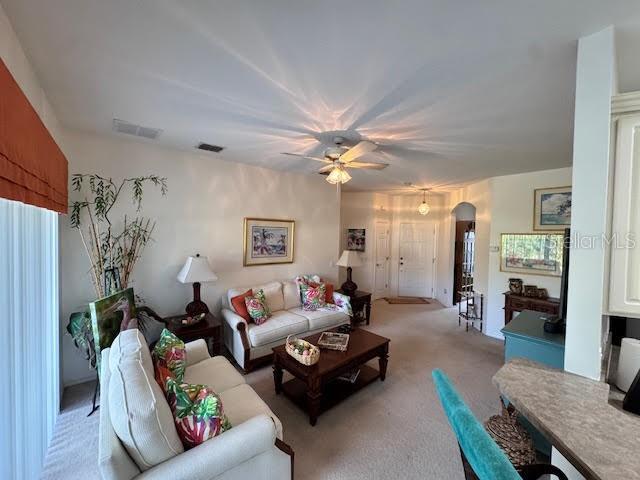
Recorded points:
(196,269)
(349,258)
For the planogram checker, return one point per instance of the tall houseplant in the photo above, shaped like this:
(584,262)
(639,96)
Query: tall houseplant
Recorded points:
(113,249)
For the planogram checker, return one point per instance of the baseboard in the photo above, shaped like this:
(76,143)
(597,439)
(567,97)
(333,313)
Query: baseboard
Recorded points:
(78,381)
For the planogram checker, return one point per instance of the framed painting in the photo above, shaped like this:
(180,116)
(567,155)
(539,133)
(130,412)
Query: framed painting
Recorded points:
(552,208)
(356,239)
(268,241)
(531,253)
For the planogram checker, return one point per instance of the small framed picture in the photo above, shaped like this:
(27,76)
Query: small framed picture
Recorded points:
(268,241)
(552,208)
(356,239)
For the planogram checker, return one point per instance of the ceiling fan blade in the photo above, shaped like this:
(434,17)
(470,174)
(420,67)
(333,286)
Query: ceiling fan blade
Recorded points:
(326,169)
(368,165)
(362,148)
(317,159)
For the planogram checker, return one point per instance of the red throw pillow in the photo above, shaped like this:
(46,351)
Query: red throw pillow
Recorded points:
(328,297)
(240,306)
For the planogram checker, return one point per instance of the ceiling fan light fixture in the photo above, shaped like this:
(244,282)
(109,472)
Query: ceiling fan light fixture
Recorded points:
(338,175)
(424,208)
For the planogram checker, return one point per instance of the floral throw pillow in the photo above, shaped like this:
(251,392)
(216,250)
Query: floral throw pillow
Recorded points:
(169,358)
(260,296)
(343,302)
(256,308)
(197,412)
(313,298)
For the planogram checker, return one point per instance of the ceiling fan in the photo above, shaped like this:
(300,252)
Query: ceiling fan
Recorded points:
(339,158)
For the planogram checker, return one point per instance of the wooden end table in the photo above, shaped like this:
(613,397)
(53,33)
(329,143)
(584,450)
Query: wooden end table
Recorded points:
(209,329)
(316,388)
(361,306)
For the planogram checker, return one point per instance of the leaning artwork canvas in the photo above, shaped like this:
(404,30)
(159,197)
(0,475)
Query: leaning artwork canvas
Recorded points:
(110,315)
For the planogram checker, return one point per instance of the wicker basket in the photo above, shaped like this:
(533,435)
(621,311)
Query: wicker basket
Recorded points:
(512,438)
(293,347)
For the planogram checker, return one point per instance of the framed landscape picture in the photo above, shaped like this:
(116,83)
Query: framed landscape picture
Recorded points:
(532,253)
(268,241)
(356,239)
(552,208)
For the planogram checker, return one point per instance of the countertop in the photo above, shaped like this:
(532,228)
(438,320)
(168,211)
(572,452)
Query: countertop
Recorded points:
(575,414)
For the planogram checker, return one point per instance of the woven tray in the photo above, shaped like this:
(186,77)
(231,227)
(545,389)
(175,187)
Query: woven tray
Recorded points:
(294,346)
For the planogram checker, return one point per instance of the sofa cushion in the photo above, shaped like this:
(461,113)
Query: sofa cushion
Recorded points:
(243,403)
(216,372)
(140,415)
(321,318)
(291,294)
(280,325)
(273,295)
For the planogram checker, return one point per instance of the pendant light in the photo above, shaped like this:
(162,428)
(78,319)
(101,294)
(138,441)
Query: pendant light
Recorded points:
(424,207)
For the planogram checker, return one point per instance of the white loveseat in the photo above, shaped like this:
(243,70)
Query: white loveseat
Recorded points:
(251,344)
(138,438)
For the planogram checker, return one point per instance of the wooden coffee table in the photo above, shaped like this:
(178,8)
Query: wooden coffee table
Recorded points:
(315,388)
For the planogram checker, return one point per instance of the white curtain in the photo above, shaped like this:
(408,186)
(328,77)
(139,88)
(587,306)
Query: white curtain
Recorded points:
(29,337)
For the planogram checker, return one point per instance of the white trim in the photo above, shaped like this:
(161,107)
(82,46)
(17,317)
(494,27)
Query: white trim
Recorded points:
(625,103)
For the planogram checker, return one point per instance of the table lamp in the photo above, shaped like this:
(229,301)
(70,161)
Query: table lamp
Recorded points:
(196,269)
(349,258)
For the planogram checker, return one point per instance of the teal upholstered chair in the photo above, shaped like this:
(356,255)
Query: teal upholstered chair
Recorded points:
(482,458)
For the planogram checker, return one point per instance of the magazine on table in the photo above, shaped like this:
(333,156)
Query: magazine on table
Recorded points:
(350,377)
(334,341)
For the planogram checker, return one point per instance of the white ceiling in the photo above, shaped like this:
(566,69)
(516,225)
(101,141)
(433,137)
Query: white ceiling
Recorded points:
(462,89)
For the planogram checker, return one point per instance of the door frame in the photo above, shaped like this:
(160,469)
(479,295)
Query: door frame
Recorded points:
(434,261)
(387,224)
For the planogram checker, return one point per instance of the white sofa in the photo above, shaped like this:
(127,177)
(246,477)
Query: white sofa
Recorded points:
(251,344)
(138,438)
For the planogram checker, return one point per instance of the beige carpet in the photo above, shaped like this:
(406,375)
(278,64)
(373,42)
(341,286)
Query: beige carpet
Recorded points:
(389,430)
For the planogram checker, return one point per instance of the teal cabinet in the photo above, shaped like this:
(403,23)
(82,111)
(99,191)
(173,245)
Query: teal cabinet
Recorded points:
(524,337)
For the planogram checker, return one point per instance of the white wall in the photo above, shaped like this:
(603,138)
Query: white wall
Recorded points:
(202,213)
(363,210)
(503,205)
(513,213)
(479,195)
(594,88)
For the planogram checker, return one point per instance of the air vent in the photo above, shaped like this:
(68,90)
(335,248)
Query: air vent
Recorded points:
(210,148)
(128,128)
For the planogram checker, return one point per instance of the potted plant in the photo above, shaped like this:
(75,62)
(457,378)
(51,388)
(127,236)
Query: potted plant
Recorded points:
(113,249)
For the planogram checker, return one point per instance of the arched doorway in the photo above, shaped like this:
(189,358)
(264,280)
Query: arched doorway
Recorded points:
(464,249)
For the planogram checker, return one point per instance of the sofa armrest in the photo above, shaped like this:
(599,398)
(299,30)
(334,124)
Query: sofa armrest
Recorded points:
(233,319)
(221,453)
(197,351)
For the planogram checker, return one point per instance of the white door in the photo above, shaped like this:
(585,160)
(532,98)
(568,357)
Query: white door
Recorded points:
(381,288)
(416,260)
